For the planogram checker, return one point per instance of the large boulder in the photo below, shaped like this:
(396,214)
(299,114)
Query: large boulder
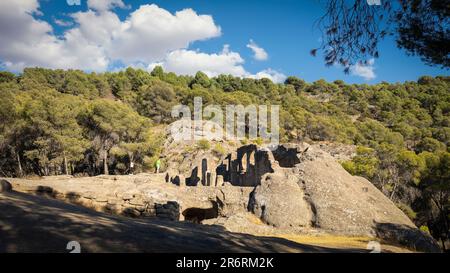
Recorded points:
(344,203)
(279,201)
(5,186)
(352,205)
(316,190)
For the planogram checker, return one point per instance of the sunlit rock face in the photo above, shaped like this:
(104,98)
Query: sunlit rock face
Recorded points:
(293,188)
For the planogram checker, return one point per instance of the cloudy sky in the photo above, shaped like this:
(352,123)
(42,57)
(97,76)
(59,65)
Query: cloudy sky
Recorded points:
(248,38)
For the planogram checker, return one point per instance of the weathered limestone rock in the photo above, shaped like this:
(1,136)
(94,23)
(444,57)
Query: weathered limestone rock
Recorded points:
(280,202)
(60,195)
(140,181)
(101,199)
(137,201)
(115,201)
(89,195)
(5,186)
(170,210)
(132,212)
(140,208)
(127,196)
(220,180)
(113,208)
(352,205)
(46,189)
(295,187)
(232,201)
(182,180)
(149,213)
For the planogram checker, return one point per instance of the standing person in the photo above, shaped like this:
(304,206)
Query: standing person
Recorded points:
(158,165)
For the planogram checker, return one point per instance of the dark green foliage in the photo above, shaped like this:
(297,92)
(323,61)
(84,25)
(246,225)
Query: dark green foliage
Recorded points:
(298,84)
(6,76)
(201,79)
(156,101)
(353,30)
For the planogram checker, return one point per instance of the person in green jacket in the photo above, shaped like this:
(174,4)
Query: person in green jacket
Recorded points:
(157,165)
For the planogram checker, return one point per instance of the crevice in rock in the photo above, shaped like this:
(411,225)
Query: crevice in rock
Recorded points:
(197,215)
(302,184)
(286,157)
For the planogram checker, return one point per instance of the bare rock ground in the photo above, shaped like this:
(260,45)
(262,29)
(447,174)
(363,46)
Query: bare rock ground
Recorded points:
(41,225)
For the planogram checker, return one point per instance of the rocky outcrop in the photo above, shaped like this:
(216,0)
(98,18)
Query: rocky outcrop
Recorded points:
(5,186)
(41,230)
(281,204)
(144,195)
(331,199)
(292,188)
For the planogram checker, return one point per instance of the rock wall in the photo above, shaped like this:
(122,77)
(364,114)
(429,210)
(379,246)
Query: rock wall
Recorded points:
(315,190)
(127,204)
(139,196)
(243,168)
(281,204)
(291,187)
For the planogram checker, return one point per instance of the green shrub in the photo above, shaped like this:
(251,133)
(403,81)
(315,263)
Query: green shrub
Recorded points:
(407,210)
(349,166)
(219,150)
(365,163)
(425,229)
(121,168)
(189,149)
(203,144)
(258,141)
(244,141)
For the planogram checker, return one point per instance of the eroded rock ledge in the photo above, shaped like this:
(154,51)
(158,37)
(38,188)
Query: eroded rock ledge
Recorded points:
(293,188)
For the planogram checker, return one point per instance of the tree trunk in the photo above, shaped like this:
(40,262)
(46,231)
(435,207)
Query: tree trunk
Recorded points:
(19,164)
(105,163)
(393,191)
(66,167)
(396,181)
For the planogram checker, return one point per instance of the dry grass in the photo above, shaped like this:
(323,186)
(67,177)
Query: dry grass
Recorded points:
(342,242)
(254,219)
(326,240)
(329,240)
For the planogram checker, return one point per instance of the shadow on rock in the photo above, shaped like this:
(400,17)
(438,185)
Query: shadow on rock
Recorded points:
(36,224)
(407,236)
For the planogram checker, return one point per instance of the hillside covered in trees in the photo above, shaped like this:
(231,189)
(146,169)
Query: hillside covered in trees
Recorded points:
(72,122)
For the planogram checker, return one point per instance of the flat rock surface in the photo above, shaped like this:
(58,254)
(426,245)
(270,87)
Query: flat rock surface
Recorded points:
(37,224)
(114,189)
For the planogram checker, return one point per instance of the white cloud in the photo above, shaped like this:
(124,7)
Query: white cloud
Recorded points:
(98,38)
(63,23)
(103,5)
(189,62)
(99,29)
(151,32)
(27,41)
(271,74)
(366,71)
(259,53)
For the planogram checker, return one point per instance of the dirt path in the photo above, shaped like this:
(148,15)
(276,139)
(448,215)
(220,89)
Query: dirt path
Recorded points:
(37,224)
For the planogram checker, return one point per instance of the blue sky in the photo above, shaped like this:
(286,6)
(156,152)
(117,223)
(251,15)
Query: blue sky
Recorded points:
(282,29)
